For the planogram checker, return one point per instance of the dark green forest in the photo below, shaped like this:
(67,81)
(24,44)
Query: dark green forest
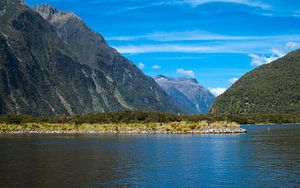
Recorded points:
(269,89)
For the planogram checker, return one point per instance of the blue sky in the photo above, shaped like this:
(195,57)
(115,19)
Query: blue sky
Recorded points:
(214,41)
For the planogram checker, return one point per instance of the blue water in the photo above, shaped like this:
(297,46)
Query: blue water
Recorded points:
(267,156)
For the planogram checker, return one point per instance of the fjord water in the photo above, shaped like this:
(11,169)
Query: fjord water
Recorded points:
(267,156)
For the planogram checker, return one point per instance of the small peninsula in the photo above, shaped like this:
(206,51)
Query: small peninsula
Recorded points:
(202,127)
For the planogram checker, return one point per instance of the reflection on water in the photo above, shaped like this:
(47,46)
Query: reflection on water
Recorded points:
(261,158)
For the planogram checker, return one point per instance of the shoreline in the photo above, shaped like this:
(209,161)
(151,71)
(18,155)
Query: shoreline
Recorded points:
(195,132)
(200,128)
(269,124)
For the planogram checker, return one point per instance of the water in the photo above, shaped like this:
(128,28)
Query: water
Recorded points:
(260,158)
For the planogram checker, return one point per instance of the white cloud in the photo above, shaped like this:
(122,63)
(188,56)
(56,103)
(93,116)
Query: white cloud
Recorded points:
(233,80)
(217,91)
(253,3)
(257,60)
(180,36)
(155,67)
(241,47)
(293,45)
(196,35)
(141,65)
(296,13)
(186,72)
(164,48)
(130,8)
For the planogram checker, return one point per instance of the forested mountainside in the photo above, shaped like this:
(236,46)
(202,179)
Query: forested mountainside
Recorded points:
(272,88)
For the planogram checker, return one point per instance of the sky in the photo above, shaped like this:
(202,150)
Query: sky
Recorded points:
(215,42)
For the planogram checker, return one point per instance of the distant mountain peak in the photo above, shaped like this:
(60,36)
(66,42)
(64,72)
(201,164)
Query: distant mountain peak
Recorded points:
(188,93)
(52,14)
(179,79)
(66,23)
(45,10)
(160,76)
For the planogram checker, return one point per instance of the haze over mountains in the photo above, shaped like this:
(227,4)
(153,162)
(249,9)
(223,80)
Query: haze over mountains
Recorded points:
(188,93)
(56,65)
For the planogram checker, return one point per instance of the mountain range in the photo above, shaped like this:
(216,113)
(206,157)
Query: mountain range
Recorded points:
(188,93)
(51,63)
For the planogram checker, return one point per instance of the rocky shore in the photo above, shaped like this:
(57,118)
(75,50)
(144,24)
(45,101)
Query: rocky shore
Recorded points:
(204,132)
(202,127)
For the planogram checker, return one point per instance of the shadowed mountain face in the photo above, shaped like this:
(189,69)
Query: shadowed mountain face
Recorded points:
(56,65)
(188,93)
(269,89)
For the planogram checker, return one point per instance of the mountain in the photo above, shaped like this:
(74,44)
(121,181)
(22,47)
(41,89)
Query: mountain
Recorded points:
(55,64)
(269,89)
(188,93)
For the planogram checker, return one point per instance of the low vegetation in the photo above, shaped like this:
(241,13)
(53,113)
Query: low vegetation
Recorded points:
(171,127)
(131,117)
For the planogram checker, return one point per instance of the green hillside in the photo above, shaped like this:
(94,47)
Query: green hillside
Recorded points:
(269,89)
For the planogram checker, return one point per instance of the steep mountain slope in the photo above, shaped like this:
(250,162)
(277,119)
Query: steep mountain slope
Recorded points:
(42,73)
(188,93)
(269,89)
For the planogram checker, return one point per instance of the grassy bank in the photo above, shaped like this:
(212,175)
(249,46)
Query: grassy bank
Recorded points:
(164,128)
(151,117)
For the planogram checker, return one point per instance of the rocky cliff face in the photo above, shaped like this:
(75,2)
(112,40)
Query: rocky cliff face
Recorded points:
(188,93)
(56,65)
(273,88)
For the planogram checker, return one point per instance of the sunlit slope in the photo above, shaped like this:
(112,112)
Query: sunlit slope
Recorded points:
(269,89)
